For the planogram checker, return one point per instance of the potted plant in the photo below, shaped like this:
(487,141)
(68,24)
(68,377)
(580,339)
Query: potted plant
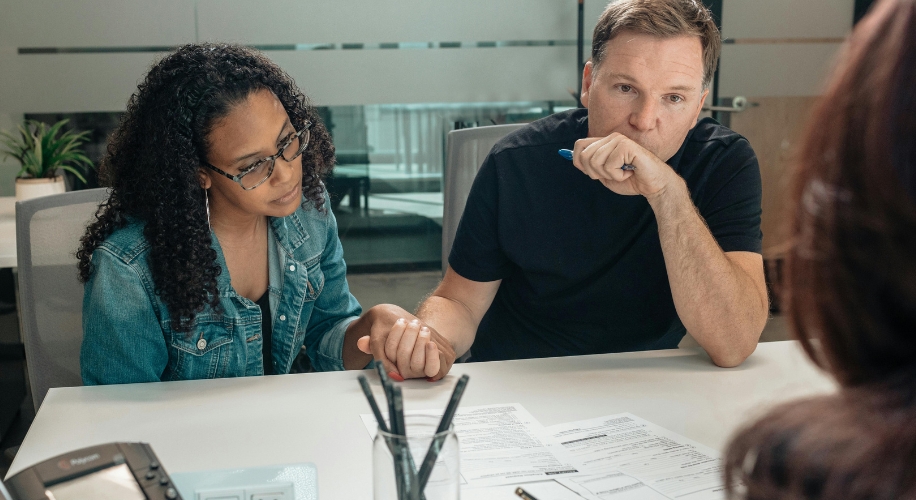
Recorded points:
(43,152)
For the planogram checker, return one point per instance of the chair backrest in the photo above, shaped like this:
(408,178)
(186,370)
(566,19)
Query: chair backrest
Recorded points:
(467,148)
(48,230)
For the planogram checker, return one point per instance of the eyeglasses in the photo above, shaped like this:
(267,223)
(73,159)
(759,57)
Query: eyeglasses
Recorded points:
(255,174)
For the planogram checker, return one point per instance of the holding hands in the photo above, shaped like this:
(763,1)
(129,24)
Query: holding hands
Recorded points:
(407,347)
(601,158)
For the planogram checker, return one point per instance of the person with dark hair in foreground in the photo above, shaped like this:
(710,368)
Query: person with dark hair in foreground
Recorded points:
(851,285)
(216,254)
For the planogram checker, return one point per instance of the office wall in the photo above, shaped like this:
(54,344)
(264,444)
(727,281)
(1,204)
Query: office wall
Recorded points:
(779,54)
(114,41)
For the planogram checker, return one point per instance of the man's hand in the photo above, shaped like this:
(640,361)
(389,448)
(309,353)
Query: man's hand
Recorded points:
(601,158)
(406,346)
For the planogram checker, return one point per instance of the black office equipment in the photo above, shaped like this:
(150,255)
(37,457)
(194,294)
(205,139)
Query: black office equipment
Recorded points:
(122,471)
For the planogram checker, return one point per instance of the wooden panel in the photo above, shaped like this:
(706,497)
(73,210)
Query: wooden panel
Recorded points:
(773,130)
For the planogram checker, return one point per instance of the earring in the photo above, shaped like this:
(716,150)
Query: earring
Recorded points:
(207,204)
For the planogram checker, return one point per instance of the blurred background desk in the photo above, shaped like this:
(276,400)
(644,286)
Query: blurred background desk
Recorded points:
(227,423)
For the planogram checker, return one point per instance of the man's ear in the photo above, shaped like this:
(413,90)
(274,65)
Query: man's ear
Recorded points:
(700,107)
(204,178)
(586,82)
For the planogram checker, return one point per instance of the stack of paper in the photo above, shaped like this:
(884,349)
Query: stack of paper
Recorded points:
(615,457)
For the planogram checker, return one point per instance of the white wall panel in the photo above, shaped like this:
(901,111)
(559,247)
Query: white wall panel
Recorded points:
(786,18)
(379,21)
(93,23)
(775,70)
(95,82)
(418,76)
(80,82)
(100,82)
(9,87)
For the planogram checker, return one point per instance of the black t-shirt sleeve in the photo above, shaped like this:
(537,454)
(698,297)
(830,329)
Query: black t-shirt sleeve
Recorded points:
(476,253)
(731,201)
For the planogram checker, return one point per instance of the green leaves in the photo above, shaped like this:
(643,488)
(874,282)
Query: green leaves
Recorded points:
(42,150)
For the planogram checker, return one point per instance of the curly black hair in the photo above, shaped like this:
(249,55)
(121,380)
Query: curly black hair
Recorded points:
(153,157)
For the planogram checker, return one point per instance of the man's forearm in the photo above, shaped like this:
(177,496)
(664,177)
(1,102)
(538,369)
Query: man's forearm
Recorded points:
(719,303)
(451,319)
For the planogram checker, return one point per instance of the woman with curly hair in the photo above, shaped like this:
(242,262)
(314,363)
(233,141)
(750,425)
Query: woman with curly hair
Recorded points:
(851,285)
(216,254)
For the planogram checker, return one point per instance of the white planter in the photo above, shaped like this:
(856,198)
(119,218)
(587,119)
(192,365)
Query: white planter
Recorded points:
(27,189)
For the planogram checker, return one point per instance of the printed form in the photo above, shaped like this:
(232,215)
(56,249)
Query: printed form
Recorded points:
(628,457)
(617,457)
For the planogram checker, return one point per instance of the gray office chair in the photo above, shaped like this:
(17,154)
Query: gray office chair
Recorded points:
(467,149)
(48,230)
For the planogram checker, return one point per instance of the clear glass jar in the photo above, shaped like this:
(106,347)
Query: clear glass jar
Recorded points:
(444,480)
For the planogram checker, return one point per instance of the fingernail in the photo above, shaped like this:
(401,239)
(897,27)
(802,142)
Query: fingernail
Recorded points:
(396,376)
(430,379)
(414,321)
(400,321)
(424,332)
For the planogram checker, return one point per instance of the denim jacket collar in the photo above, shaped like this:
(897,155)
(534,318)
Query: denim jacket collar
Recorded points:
(289,233)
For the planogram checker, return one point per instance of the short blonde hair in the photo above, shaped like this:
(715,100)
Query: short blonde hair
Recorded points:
(661,18)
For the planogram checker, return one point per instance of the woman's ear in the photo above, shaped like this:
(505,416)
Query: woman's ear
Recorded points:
(204,178)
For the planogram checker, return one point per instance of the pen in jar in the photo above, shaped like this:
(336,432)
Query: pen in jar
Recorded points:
(568,154)
(524,494)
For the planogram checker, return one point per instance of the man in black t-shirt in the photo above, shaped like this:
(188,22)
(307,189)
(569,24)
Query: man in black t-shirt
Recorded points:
(652,230)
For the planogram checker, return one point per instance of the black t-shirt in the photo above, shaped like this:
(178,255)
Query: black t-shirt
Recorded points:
(582,268)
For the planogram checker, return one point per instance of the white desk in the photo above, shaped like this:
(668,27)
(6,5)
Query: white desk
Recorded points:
(216,424)
(7,231)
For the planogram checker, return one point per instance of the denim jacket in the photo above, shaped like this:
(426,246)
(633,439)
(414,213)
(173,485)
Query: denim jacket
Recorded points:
(127,333)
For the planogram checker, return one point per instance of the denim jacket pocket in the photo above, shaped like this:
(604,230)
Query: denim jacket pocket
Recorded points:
(315,279)
(207,351)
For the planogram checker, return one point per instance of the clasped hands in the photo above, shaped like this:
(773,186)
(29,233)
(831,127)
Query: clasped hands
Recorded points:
(407,347)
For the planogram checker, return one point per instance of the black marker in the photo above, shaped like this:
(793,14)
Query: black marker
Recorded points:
(524,494)
(435,446)
(372,404)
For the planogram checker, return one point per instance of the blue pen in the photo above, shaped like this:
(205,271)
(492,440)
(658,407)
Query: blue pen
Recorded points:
(568,154)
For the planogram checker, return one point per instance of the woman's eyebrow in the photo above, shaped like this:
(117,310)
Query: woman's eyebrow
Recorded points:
(258,153)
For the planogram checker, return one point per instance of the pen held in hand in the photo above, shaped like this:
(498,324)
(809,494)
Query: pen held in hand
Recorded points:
(568,154)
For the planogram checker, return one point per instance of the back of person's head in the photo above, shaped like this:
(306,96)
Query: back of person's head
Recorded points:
(851,283)
(663,19)
(161,142)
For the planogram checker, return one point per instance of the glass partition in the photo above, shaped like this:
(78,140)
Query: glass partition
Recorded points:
(386,189)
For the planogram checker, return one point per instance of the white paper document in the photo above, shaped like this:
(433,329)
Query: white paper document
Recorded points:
(617,457)
(628,457)
(501,445)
